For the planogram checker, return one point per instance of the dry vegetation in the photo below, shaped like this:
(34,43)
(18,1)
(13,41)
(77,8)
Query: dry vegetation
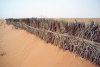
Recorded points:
(78,37)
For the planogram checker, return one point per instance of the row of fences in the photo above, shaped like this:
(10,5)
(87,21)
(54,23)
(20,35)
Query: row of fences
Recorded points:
(77,37)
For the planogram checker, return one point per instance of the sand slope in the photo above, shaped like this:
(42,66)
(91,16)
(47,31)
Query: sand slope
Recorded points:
(19,48)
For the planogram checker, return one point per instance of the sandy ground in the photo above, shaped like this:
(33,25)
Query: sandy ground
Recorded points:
(87,20)
(19,48)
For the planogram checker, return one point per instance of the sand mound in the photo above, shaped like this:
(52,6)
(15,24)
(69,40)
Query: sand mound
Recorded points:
(18,48)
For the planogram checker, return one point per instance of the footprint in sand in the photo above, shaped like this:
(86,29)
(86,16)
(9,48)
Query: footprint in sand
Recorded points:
(2,53)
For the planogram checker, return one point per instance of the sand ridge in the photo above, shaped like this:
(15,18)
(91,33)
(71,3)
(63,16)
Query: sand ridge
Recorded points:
(22,49)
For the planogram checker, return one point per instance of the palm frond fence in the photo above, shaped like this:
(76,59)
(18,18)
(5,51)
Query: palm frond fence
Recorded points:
(78,37)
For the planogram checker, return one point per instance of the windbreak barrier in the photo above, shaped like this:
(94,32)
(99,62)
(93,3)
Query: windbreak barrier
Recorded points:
(78,37)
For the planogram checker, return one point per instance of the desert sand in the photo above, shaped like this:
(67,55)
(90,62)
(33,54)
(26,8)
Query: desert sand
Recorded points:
(19,48)
(86,20)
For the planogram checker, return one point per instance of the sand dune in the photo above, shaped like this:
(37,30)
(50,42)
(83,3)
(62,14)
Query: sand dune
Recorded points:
(19,48)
